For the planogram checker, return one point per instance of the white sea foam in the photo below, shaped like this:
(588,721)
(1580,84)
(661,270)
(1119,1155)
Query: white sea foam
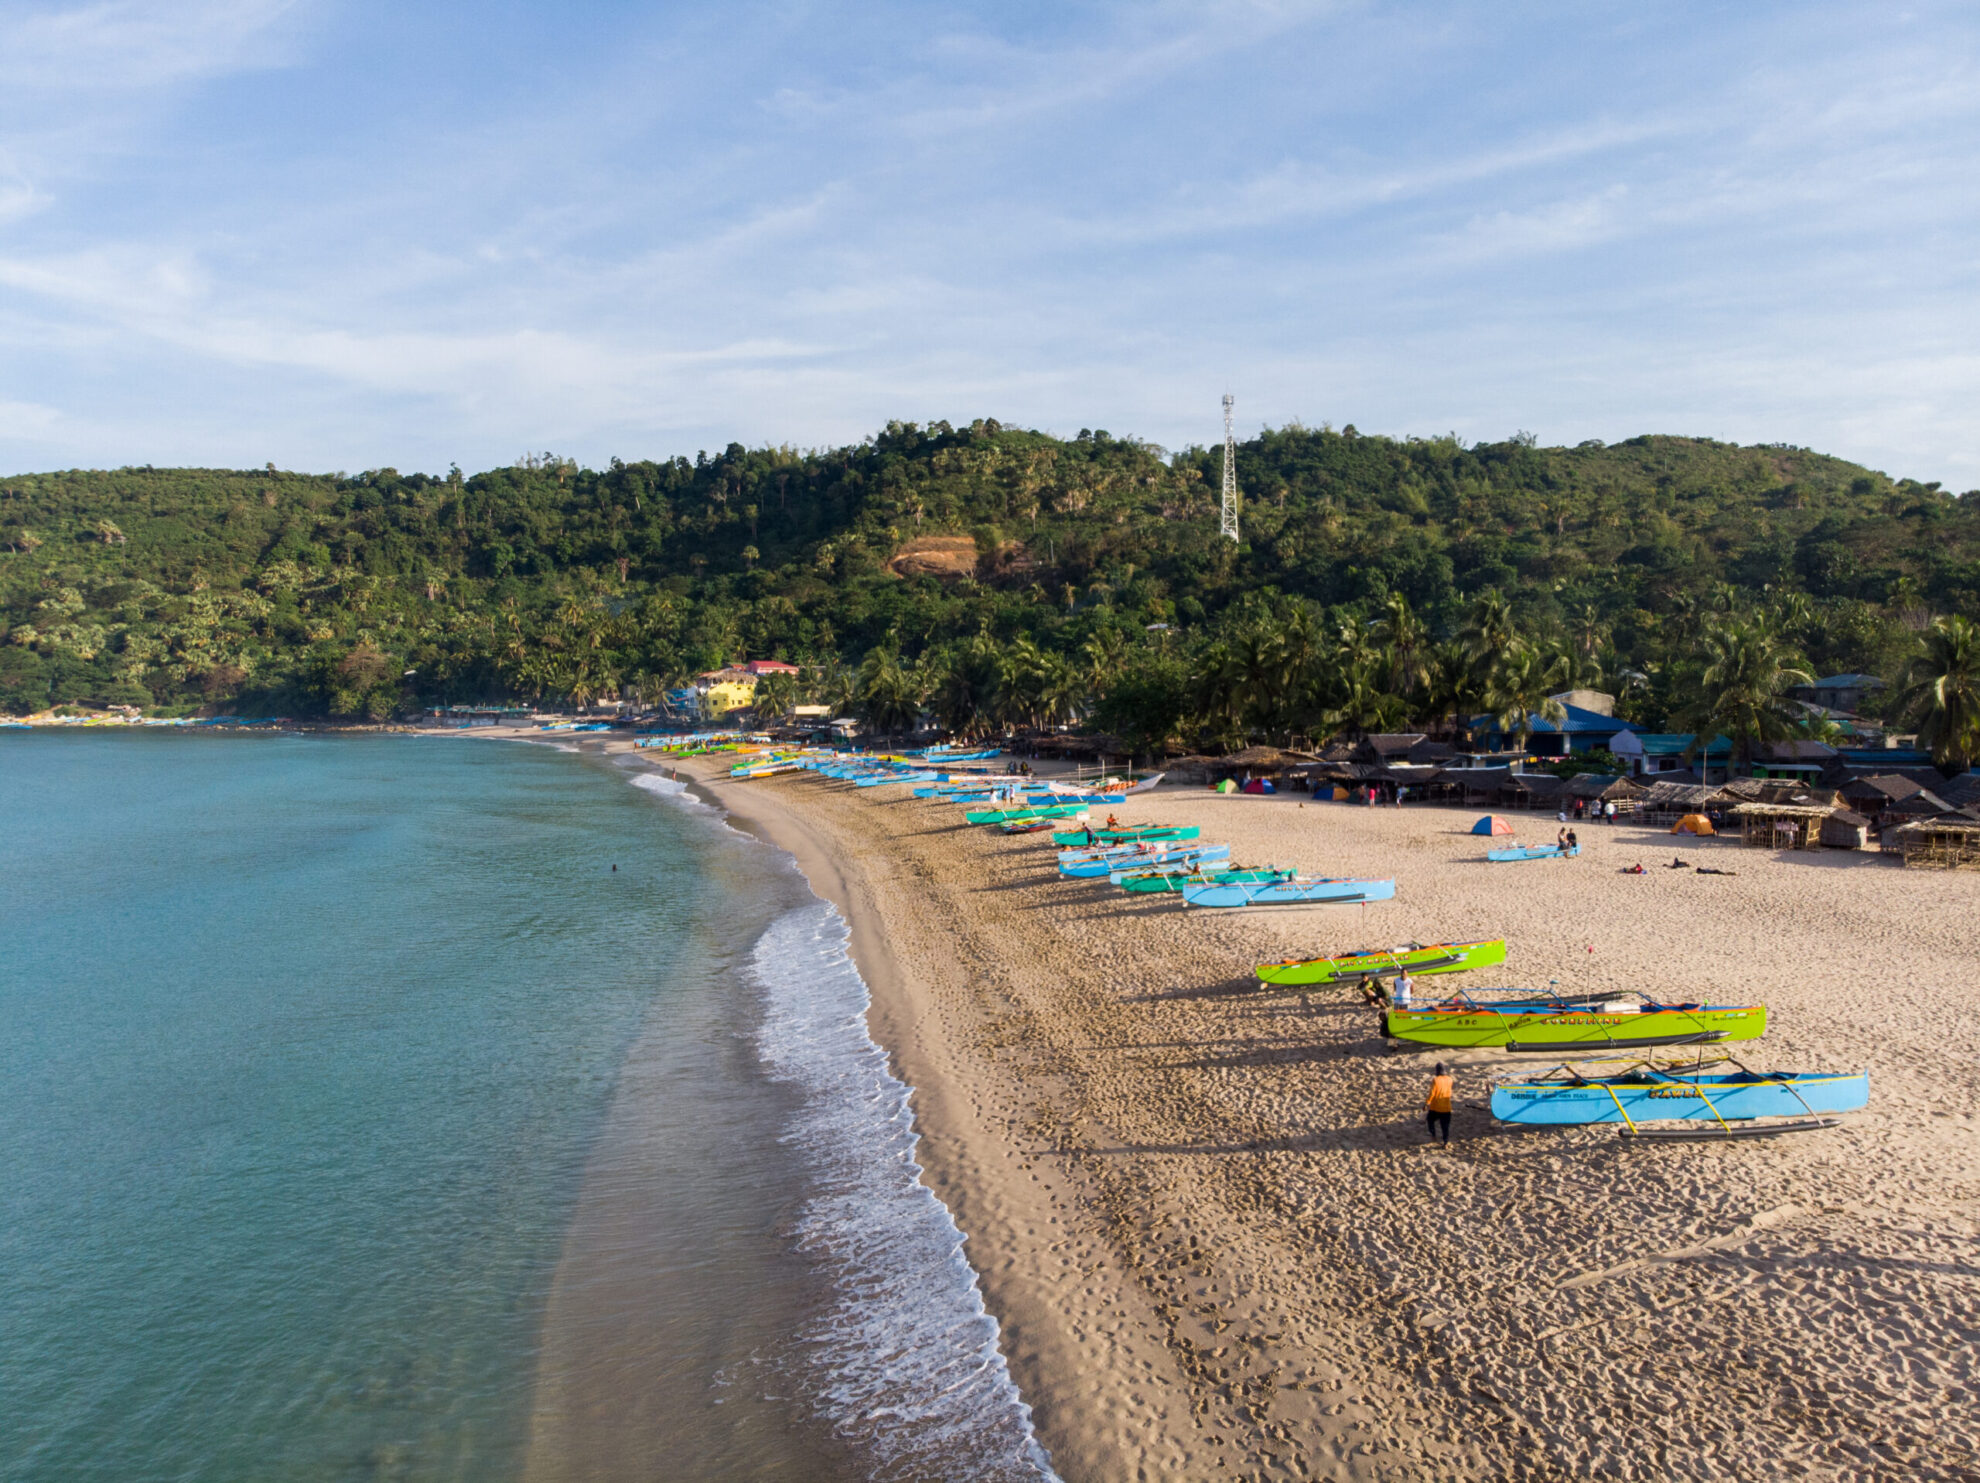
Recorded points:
(672,789)
(904,1362)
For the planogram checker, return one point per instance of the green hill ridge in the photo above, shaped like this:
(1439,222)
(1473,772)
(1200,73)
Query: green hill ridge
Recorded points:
(996,573)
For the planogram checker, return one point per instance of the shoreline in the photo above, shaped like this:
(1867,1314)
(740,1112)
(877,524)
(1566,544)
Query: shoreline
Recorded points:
(1217,1245)
(1098,1379)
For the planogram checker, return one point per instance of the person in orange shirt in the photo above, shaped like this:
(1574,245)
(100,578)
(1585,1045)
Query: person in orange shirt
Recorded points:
(1439,1105)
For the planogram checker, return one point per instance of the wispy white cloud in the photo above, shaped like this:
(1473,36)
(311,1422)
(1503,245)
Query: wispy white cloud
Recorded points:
(128,45)
(793,226)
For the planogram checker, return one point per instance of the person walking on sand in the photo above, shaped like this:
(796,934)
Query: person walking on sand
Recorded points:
(1438,1105)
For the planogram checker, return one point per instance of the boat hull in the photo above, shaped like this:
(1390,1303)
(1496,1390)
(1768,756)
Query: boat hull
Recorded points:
(1288,893)
(1073,838)
(1157,882)
(1044,811)
(1442,957)
(1593,1029)
(1678,1097)
(1130,864)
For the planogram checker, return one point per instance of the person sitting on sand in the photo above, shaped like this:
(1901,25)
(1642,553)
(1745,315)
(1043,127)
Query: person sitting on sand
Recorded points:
(1677,864)
(1572,842)
(1112,822)
(1438,1106)
(1560,840)
(1636,869)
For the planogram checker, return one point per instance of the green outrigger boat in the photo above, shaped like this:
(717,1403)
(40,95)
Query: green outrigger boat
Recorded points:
(1570,1026)
(1157,881)
(1073,838)
(1357,967)
(1005,815)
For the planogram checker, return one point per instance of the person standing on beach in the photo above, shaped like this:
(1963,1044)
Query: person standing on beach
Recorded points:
(1405,986)
(1438,1103)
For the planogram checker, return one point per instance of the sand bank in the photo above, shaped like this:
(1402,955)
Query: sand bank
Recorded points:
(1220,1246)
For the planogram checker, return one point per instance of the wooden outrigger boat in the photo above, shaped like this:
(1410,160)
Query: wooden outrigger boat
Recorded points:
(1570,1025)
(1533,852)
(1294,891)
(1194,861)
(1704,1104)
(1127,862)
(1356,967)
(1039,811)
(1173,882)
(1076,837)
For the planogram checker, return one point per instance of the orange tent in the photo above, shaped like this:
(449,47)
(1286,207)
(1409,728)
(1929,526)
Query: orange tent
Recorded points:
(1693,824)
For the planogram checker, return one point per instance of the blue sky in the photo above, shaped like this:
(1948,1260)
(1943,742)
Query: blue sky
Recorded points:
(337,235)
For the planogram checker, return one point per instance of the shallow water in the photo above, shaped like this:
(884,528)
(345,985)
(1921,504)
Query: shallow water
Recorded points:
(357,1120)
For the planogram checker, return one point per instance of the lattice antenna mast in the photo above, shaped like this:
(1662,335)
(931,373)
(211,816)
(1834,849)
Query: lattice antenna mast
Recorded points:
(1229,527)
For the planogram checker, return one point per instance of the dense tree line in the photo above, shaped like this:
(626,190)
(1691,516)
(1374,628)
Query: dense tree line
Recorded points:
(1381,582)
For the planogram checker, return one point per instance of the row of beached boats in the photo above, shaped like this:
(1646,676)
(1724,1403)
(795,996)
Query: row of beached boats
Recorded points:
(1709,1096)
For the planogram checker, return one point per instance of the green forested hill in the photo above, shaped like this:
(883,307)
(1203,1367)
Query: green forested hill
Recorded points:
(1365,561)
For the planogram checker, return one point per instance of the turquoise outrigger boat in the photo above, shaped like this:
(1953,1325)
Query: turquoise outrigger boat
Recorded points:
(1297,891)
(1702,1102)
(1173,882)
(1040,811)
(1075,837)
(1533,852)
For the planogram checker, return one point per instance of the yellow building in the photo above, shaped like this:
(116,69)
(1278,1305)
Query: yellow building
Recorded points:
(722,696)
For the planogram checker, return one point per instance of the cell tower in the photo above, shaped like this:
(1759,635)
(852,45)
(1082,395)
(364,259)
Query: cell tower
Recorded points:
(1229,525)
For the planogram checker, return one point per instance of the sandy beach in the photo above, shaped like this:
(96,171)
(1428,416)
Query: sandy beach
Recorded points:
(1220,1245)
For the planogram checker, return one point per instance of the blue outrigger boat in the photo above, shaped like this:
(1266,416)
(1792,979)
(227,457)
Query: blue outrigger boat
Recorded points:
(1295,892)
(1134,861)
(1533,852)
(1704,1103)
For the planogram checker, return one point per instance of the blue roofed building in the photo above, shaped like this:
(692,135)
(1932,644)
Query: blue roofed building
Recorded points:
(1651,752)
(1586,727)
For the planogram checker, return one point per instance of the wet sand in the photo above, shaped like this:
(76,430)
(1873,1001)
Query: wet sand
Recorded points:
(1220,1246)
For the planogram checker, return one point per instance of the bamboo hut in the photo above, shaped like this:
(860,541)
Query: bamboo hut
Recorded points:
(1664,802)
(1530,790)
(1781,826)
(1949,842)
(1845,829)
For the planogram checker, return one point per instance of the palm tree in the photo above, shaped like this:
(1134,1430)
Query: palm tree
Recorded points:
(886,691)
(1408,641)
(1942,692)
(1365,703)
(964,696)
(1454,689)
(775,694)
(1743,688)
(1521,691)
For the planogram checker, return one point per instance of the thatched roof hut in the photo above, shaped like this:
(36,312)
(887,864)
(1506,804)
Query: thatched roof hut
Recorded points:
(1530,790)
(1845,829)
(1676,799)
(1781,826)
(1950,842)
(1601,787)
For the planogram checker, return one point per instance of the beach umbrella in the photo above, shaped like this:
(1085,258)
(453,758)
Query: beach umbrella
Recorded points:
(1492,824)
(1693,824)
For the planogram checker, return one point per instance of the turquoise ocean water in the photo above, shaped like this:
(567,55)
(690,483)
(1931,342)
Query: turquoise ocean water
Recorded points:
(358,1120)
